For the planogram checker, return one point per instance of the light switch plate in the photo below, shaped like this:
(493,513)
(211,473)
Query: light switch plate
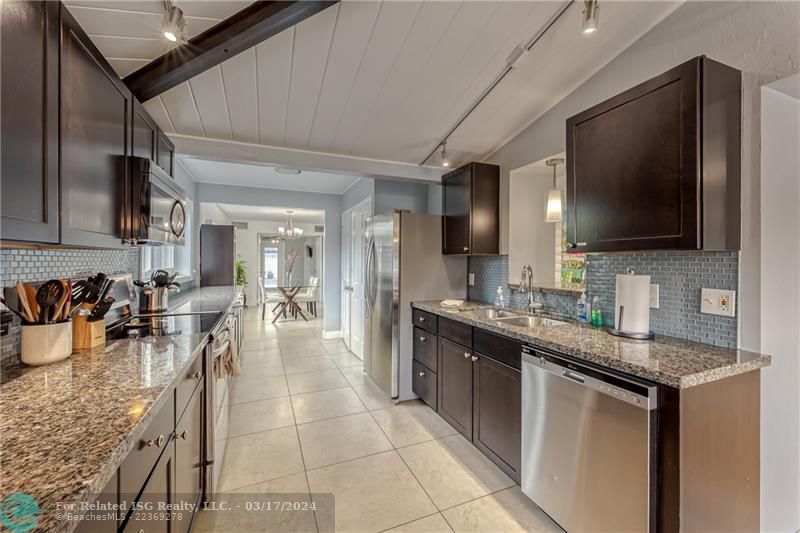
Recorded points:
(471,279)
(655,298)
(720,302)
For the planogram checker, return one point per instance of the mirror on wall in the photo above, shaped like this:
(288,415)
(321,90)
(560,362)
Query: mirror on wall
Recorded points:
(537,225)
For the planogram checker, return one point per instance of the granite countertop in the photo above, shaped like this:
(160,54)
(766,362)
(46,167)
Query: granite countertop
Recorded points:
(204,299)
(66,427)
(667,360)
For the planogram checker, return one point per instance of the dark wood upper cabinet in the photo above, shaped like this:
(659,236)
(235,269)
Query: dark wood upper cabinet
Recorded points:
(166,153)
(144,133)
(29,126)
(658,166)
(95,111)
(471,210)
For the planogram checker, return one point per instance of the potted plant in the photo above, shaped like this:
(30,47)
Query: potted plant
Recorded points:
(241,275)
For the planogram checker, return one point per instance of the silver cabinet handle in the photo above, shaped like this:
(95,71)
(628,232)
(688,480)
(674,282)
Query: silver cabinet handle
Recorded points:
(474,358)
(466,248)
(184,434)
(466,355)
(422,339)
(422,319)
(157,442)
(422,374)
(197,375)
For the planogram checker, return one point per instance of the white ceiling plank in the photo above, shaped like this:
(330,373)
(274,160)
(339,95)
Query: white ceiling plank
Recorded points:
(182,111)
(131,47)
(212,106)
(211,9)
(391,29)
(273,66)
(219,150)
(119,23)
(123,67)
(155,106)
(353,31)
(241,94)
(311,50)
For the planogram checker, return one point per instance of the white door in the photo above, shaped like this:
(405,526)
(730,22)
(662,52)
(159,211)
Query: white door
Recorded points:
(360,214)
(347,238)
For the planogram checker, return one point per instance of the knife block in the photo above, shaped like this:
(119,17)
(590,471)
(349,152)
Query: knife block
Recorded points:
(87,334)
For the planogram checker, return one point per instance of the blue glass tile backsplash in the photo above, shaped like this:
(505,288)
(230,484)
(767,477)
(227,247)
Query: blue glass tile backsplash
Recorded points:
(680,276)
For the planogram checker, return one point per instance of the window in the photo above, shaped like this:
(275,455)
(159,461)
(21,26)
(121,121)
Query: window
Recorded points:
(270,266)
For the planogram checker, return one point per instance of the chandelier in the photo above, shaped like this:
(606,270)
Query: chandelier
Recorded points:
(289,231)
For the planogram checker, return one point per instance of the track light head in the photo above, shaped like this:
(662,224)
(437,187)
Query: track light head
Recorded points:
(173,24)
(591,13)
(445,161)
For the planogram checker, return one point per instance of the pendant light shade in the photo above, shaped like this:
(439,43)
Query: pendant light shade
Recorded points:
(554,207)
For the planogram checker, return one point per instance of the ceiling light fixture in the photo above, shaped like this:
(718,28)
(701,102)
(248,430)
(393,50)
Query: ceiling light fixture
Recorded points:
(445,161)
(590,16)
(554,203)
(288,171)
(173,25)
(289,231)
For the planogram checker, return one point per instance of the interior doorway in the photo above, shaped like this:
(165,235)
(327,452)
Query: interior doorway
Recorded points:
(353,244)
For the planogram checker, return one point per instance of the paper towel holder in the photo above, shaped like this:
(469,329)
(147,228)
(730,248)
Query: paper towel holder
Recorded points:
(638,336)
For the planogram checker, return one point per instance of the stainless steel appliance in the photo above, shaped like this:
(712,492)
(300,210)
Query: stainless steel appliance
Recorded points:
(403,263)
(217,405)
(155,208)
(588,440)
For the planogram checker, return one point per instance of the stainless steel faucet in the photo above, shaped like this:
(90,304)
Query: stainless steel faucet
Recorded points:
(526,285)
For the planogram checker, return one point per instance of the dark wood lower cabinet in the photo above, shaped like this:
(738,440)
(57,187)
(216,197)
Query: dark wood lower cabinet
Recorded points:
(455,386)
(159,490)
(497,410)
(188,460)
(423,384)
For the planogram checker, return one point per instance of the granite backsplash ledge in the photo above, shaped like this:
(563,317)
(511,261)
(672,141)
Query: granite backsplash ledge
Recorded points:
(32,266)
(680,276)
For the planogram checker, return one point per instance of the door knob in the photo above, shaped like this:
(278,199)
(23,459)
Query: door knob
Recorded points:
(474,358)
(466,355)
(466,248)
(157,442)
(422,339)
(184,434)
(422,374)
(197,375)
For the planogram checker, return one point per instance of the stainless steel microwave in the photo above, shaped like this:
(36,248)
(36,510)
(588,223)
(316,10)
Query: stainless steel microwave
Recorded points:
(156,206)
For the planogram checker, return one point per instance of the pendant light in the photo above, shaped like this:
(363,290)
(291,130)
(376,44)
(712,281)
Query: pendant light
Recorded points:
(591,14)
(289,231)
(554,204)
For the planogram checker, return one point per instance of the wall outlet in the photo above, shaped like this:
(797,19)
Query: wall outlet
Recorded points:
(720,302)
(655,299)
(471,279)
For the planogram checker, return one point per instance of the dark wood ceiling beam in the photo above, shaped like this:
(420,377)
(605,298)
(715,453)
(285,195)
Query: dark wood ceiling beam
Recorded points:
(250,26)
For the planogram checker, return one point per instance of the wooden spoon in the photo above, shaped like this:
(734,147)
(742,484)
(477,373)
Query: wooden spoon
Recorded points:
(58,310)
(30,295)
(22,295)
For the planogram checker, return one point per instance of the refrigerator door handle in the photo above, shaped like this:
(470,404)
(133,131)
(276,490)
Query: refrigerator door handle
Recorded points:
(369,274)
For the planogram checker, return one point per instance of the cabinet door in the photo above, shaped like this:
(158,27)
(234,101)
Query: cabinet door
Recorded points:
(632,168)
(498,413)
(188,458)
(106,522)
(166,153)
(159,490)
(95,109)
(29,126)
(144,133)
(455,386)
(456,211)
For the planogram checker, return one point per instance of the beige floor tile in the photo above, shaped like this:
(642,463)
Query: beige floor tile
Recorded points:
(373,397)
(336,347)
(260,356)
(372,493)
(262,415)
(296,365)
(453,471)
(317,380)
(326,404)
(256,343)
(262,389)
(411,423)
(355,375)
(507,511)
(257,371)
(340,439)
(430,524)
(299,351)
(260,457)
(345,359)
(292,488)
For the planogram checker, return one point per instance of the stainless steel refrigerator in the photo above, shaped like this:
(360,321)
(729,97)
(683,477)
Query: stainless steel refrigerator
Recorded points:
(403,263)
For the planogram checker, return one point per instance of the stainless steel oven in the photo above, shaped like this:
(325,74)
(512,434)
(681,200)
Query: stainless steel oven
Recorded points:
(156,210)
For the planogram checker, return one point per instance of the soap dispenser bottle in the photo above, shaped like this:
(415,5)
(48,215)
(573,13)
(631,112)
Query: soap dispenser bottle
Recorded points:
(500,301)
(582,309)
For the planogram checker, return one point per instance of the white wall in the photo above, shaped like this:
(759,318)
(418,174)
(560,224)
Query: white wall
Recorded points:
(780,304)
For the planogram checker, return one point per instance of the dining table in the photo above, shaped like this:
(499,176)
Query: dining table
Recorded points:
(289,293)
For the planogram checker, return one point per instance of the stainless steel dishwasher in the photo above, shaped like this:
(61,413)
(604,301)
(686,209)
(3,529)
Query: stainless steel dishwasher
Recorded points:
(588,438)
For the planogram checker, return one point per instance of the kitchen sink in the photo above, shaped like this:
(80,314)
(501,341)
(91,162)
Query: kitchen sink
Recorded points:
(491,314)
(530,322)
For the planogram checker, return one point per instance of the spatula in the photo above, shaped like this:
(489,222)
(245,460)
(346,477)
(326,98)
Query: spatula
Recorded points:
(47,296)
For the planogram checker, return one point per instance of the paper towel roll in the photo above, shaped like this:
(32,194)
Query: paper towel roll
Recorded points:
(632,310)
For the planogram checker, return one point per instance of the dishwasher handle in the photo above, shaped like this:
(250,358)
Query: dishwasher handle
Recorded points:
(641,395)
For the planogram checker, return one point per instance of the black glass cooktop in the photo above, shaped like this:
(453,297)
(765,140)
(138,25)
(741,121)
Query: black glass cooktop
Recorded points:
(141,326)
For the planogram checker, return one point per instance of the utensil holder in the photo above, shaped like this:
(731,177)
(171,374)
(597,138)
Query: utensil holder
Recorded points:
(87,334)
(45,343)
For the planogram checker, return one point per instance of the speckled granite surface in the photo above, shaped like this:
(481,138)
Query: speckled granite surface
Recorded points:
(674,362)
(203,299)
(67,426)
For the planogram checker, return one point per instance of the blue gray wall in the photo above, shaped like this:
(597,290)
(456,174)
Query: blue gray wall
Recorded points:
(680,276)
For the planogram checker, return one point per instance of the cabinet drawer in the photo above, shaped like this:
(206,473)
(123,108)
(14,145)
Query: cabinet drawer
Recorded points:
(424,384)
(186,386)
(425,348)
(455,331)
(425,320)
(503,349)
(142,458)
